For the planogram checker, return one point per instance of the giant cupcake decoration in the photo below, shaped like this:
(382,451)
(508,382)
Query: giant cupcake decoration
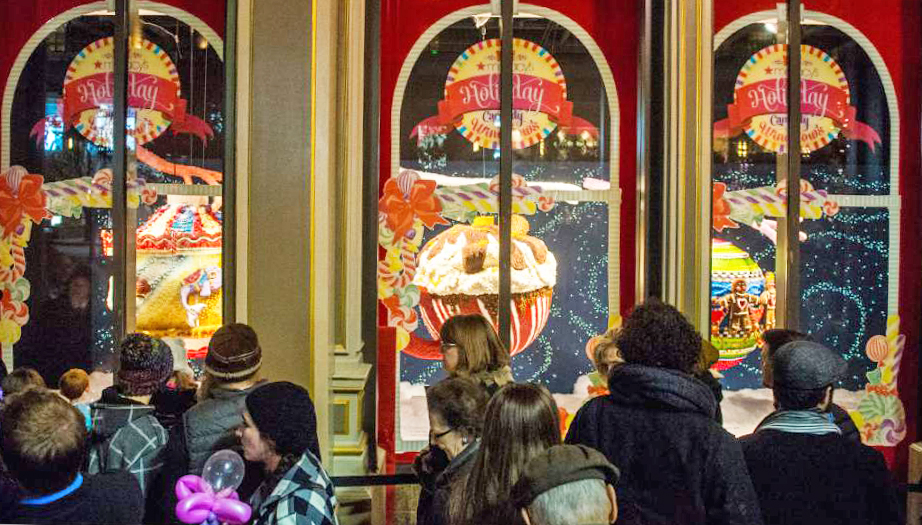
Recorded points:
(458,273)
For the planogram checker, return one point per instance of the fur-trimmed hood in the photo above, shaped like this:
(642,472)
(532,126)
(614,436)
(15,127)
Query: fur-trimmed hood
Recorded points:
(492,380)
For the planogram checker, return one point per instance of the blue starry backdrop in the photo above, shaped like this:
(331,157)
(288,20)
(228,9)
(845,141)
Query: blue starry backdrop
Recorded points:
(844,260)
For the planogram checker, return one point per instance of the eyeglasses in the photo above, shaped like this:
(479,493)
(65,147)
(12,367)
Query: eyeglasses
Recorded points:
(445,346)
(440,435)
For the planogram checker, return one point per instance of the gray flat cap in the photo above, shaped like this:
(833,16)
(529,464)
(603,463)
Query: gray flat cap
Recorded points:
(805,365)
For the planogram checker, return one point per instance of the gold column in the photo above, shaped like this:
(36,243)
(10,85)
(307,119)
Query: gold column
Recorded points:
(687,144)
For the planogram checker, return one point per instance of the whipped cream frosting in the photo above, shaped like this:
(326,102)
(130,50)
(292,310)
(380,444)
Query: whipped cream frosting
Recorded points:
(443,273)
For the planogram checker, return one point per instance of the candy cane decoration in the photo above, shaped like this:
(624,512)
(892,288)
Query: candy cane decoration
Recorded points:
(408,258)
(895,341)
(768,202)
(69,197)
(179,170)
(479,199)
(19,262)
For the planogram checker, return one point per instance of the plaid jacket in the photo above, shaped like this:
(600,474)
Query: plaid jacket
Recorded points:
(127,437)
(303,497)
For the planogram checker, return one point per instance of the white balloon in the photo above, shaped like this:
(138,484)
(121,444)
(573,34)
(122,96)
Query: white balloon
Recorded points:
(224,470)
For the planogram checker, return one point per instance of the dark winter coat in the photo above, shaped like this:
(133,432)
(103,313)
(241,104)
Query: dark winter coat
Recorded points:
(845,423)
(170,405)
(677,464)
(432,508)
(819,480)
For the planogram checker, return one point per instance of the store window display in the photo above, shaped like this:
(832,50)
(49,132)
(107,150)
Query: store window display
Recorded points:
(58,142)
(849,226)
(439,210)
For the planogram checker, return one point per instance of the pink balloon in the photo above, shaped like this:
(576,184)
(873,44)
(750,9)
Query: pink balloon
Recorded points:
(232,511)
(195,508)
(187,486)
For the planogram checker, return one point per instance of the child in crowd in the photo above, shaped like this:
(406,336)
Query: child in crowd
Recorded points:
(126,432)
(603,353)
(75,387)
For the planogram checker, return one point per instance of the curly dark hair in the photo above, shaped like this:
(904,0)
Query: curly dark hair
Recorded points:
(656,334)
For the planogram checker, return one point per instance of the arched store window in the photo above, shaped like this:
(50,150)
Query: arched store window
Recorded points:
(849,225)
(445,162)
(58,129)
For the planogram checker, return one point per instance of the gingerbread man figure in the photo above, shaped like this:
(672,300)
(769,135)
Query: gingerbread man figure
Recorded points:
(737,304)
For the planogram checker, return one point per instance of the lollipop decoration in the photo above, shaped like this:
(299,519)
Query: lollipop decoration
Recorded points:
(212,498)
(877,348)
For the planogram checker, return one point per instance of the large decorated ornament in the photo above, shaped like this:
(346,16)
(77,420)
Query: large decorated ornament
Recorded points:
(737,285)
(153,94)
(760,108)
(179,272)
(458,273)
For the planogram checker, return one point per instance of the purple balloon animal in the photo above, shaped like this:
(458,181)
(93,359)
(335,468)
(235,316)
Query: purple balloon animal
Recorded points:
(198,503)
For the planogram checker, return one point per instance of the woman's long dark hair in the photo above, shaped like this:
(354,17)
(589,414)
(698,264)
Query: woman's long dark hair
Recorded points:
(521,421)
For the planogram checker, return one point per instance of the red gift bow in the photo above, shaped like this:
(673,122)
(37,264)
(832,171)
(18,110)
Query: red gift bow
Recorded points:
(29,202)
(401,211)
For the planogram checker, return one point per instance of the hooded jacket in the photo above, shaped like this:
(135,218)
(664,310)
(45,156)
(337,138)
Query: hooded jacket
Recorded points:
(677,464)
(304,496)
(126,436)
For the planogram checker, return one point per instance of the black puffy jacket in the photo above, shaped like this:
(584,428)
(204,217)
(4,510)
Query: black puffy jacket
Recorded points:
(677,464)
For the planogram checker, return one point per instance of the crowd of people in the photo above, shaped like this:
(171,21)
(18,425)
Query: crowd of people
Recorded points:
(117,460)
(649,449)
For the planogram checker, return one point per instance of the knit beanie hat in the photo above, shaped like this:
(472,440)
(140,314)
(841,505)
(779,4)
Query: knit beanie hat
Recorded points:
(284,413)
(233,353)
(145,364)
